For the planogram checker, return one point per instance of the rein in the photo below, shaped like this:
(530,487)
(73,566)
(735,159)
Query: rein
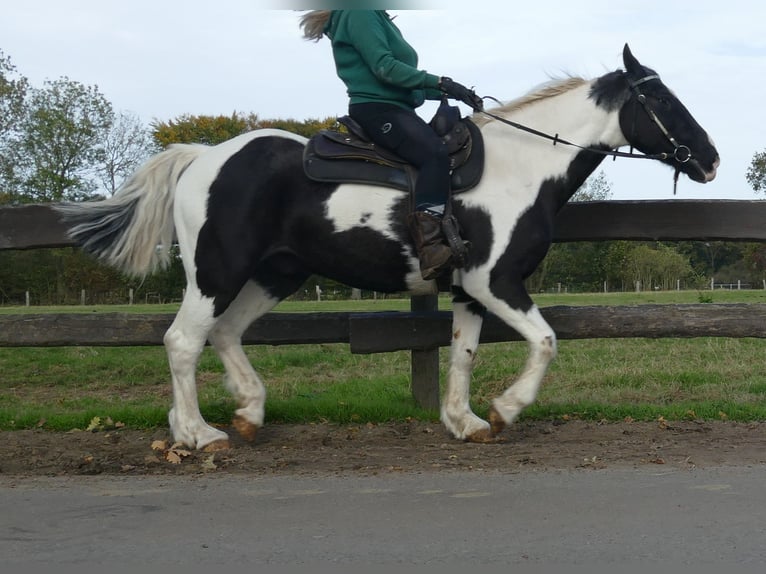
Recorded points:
(558,140)
(681,153)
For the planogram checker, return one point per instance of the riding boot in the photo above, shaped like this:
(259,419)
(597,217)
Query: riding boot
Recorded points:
(434,254)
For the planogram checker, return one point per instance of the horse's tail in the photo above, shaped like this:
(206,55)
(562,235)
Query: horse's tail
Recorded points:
(133,230)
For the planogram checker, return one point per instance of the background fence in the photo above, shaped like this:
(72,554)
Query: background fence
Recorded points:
(424,329)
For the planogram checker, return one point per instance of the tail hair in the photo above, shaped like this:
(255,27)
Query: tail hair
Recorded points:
(133,230)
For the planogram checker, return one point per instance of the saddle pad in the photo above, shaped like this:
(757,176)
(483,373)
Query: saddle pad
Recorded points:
(333,156)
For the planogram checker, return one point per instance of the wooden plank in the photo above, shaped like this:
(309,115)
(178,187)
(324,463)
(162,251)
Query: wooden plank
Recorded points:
(140,329)
(673,219)
(424,381)
(34,226)
(31,227)
(393,331)
(396,331)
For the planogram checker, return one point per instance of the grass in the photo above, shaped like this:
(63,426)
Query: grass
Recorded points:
(708,378)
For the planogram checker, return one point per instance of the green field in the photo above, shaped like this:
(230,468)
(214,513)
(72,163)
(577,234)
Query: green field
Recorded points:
(705,378)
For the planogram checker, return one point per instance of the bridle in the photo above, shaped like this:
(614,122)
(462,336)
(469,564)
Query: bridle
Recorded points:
(681,153)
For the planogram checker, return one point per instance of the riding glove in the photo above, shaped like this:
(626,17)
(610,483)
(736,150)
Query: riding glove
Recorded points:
(460,92)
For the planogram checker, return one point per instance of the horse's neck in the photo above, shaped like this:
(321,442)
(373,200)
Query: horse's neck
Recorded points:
(574,117)
(528,159)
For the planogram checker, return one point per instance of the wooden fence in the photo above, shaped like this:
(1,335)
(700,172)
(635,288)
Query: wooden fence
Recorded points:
(424,329)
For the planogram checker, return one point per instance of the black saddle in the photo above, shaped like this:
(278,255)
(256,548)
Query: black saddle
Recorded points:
(348,155)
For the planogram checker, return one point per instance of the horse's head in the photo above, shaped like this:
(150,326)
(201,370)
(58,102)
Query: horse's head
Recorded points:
(655,122)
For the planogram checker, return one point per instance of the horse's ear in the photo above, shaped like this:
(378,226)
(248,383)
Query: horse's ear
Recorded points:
(632,65)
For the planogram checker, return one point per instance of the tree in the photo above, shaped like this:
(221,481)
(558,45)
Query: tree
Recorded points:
(756,173)
(596,188)
(61,141)
(209,130)
(212,130)
(127,143)
(655,267)
(13,89)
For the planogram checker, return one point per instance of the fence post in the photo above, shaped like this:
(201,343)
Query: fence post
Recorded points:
(425,363)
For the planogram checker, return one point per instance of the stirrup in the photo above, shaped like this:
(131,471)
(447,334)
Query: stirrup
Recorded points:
(459,247)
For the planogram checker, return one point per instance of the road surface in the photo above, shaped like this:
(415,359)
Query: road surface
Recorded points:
(644,516)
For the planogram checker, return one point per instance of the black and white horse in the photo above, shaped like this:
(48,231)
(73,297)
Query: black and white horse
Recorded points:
(252,228)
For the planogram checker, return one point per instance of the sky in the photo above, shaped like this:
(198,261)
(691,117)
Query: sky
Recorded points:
(161,59)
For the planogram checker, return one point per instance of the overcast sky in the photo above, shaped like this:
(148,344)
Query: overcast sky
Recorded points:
(164,58)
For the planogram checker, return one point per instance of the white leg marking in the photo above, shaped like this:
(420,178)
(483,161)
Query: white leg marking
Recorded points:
(542,350)
(184,342)
(456,413)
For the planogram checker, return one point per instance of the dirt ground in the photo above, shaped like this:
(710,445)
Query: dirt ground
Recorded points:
(408,447)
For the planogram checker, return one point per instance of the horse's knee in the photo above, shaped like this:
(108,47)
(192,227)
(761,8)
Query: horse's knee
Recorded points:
(549,347)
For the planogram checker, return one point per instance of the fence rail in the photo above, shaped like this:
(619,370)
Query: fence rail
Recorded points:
(386,331)
(38,225)
(424,329)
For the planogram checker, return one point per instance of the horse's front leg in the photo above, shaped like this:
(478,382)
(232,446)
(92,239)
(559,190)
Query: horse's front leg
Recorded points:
(456,413)
(542,350)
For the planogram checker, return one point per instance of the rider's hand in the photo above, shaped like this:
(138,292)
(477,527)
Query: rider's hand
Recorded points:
(460,92)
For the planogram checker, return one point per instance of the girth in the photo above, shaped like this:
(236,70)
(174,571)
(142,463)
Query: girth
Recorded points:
(349,156)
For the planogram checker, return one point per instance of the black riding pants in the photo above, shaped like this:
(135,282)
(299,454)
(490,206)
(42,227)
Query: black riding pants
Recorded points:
(409,136)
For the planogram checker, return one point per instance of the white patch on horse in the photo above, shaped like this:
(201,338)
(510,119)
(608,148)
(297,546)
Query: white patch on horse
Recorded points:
(353,206)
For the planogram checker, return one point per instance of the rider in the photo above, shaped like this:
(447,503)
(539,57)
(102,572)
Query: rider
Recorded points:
(385,86)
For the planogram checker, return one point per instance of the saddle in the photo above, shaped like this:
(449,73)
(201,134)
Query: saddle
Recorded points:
(348,155)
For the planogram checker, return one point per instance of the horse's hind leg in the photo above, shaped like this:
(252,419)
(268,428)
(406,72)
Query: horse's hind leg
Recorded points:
(241,379)
(184,341)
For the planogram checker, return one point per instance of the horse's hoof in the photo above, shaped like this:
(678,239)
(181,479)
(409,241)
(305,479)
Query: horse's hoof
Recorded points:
(245,428)
(496,422)
(483,436)
(216,445)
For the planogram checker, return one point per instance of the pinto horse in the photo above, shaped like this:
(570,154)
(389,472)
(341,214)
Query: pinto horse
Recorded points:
(252,228)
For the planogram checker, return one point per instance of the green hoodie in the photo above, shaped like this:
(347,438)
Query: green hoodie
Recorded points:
(375,62)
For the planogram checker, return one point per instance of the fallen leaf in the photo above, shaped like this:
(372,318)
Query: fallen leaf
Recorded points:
(176,453)
(172,457)
(160,445)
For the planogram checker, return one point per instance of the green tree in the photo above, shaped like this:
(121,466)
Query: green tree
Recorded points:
(756,173)
(658,266)
(61,141)
(596,188)
(13,90)
(209,130)
(212,130)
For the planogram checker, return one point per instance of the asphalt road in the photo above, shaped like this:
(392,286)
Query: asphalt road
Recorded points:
(646,516)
